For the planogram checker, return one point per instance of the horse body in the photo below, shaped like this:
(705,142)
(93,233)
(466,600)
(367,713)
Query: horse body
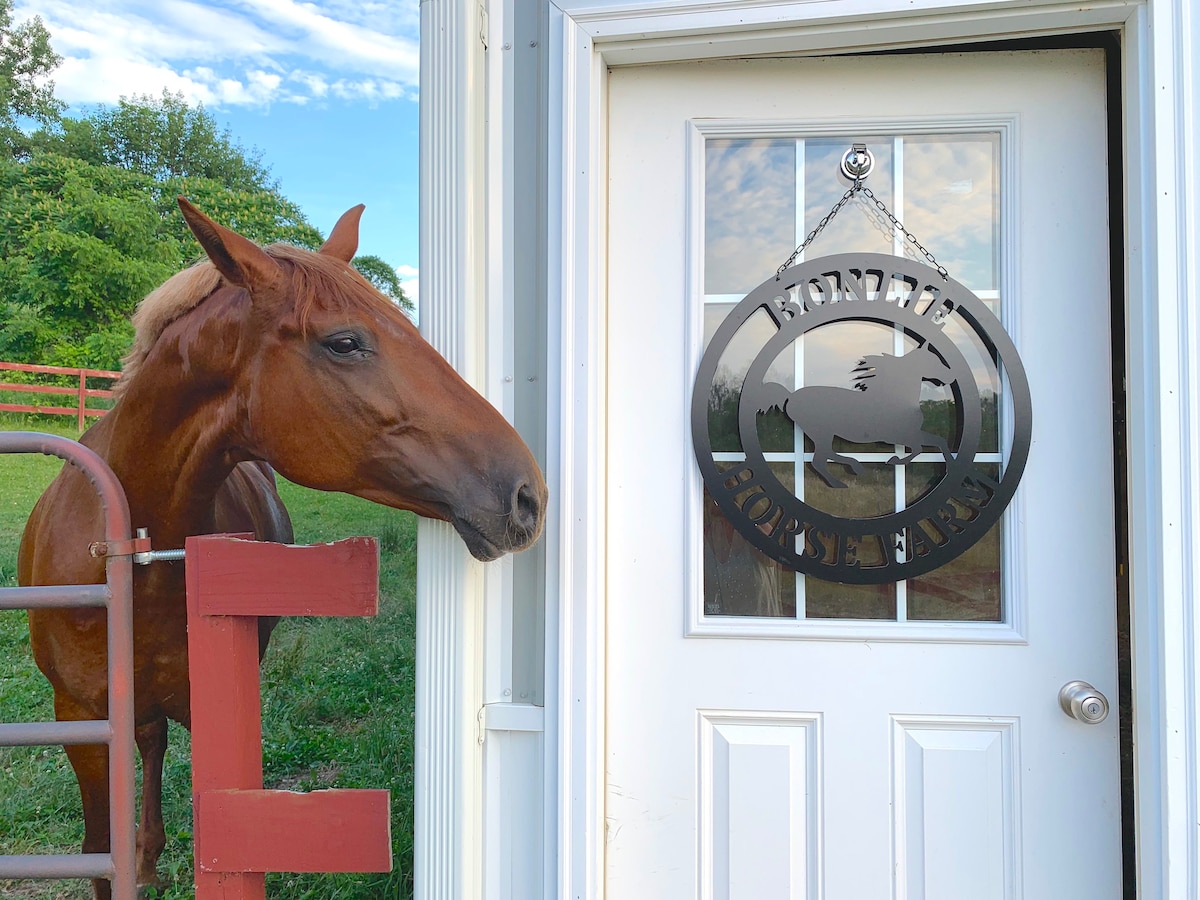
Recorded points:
(258,359)
(883,407)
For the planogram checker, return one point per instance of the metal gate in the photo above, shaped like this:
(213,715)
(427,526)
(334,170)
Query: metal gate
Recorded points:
(119,864)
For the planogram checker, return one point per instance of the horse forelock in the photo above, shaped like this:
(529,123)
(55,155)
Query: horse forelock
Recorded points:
(317,282)
(323,283)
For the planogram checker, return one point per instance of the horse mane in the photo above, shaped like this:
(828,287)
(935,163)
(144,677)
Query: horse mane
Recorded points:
(179,294)
(316,280)
(868,367)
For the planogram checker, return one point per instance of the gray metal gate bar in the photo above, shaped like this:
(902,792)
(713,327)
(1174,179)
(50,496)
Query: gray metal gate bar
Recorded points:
(120,863)
(74,865)
(58,596)
(46,734)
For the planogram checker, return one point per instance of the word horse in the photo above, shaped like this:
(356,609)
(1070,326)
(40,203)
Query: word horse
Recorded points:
(253,360)
(884,406)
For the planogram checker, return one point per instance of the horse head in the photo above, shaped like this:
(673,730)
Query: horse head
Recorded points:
(929,366)
(339,392)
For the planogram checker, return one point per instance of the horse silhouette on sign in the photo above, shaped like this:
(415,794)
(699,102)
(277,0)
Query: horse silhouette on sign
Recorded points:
(884,406)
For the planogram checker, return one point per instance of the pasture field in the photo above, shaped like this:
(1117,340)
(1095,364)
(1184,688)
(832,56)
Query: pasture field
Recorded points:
(338,703)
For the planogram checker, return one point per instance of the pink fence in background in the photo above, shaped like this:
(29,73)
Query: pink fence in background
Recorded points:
(80,391)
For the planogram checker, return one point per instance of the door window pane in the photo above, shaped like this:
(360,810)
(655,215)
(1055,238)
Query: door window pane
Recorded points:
(738,579)
(952,203)
(945,189)
(750,211)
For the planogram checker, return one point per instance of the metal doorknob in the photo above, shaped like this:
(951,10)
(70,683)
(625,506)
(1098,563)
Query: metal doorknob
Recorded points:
(1081,701)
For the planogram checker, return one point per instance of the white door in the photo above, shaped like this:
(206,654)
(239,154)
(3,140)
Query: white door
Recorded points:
(772,736)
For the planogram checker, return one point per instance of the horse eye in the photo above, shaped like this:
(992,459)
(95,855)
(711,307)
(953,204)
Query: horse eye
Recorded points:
(343,345)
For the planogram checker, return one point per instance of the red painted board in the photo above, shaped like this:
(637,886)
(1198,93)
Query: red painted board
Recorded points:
(230,885)
(251,578)
(225,704)
(282,831)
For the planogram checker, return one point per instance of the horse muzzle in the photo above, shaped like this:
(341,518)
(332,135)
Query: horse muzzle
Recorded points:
(516,525)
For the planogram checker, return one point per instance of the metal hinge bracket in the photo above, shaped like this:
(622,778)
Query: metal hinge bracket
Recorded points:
(105,549)
(138,548)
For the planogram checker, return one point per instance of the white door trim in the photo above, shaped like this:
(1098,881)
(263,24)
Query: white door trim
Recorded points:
(450,584)
(1162,200)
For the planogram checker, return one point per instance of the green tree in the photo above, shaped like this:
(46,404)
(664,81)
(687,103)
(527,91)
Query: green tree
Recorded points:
(384,279)
(79,246)
(26,92)
(163,137)
(88,216)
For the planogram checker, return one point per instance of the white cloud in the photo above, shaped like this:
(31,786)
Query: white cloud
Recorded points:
(317,86)
(232,52)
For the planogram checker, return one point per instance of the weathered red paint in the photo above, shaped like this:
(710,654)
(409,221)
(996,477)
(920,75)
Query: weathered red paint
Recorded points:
(285,831)
(244,578)
(242,831)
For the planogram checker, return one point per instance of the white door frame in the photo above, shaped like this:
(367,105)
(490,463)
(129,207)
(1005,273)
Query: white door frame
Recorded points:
(1162,199)
(1160,39)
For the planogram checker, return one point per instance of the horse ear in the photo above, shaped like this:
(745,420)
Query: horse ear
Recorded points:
(343,240)
(239,259)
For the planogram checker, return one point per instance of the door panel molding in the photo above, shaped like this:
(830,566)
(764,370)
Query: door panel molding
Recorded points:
(946,765)
(771,832)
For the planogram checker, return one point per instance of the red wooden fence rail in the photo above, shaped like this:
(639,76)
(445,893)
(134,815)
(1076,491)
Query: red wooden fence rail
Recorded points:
(81,392)
(241,830)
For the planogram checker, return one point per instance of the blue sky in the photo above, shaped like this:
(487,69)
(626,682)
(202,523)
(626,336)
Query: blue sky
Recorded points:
(327,91)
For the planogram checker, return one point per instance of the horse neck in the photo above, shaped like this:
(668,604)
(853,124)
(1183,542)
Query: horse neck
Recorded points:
(171,442)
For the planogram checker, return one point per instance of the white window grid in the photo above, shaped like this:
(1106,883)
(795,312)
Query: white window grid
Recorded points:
(799,460)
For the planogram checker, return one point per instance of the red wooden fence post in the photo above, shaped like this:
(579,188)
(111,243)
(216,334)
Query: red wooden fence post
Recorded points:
(82,396)
(241,830)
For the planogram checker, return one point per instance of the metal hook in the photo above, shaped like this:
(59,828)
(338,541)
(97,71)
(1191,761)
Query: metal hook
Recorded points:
(857,162)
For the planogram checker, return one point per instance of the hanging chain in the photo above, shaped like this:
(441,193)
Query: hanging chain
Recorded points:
(812,235)
(861,171)
(908,235)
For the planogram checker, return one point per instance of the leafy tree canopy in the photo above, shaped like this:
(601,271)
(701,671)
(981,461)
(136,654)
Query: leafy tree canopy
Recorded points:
(163,137)
(384,278)
(26,92)
(88,219)
(81,244)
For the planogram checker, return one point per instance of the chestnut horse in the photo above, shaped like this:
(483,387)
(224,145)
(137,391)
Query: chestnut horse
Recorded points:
(255,359)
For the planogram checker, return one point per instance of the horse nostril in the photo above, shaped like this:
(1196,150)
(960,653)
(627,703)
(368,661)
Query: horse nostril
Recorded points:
(526,508)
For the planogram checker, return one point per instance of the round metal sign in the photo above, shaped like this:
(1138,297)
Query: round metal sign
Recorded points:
(942,335)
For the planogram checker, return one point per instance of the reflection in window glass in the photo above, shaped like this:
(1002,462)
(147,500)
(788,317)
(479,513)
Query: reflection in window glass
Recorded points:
(946,189)
(968,587)
(826,600)
(860,226)
(987,375)
(750,211)
(738,579)
(776,430)
(952,200)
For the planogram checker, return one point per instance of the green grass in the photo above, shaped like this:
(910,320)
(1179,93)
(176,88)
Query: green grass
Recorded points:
(338,703)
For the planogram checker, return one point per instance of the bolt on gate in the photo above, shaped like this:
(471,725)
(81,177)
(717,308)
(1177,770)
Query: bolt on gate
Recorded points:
(116,593)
